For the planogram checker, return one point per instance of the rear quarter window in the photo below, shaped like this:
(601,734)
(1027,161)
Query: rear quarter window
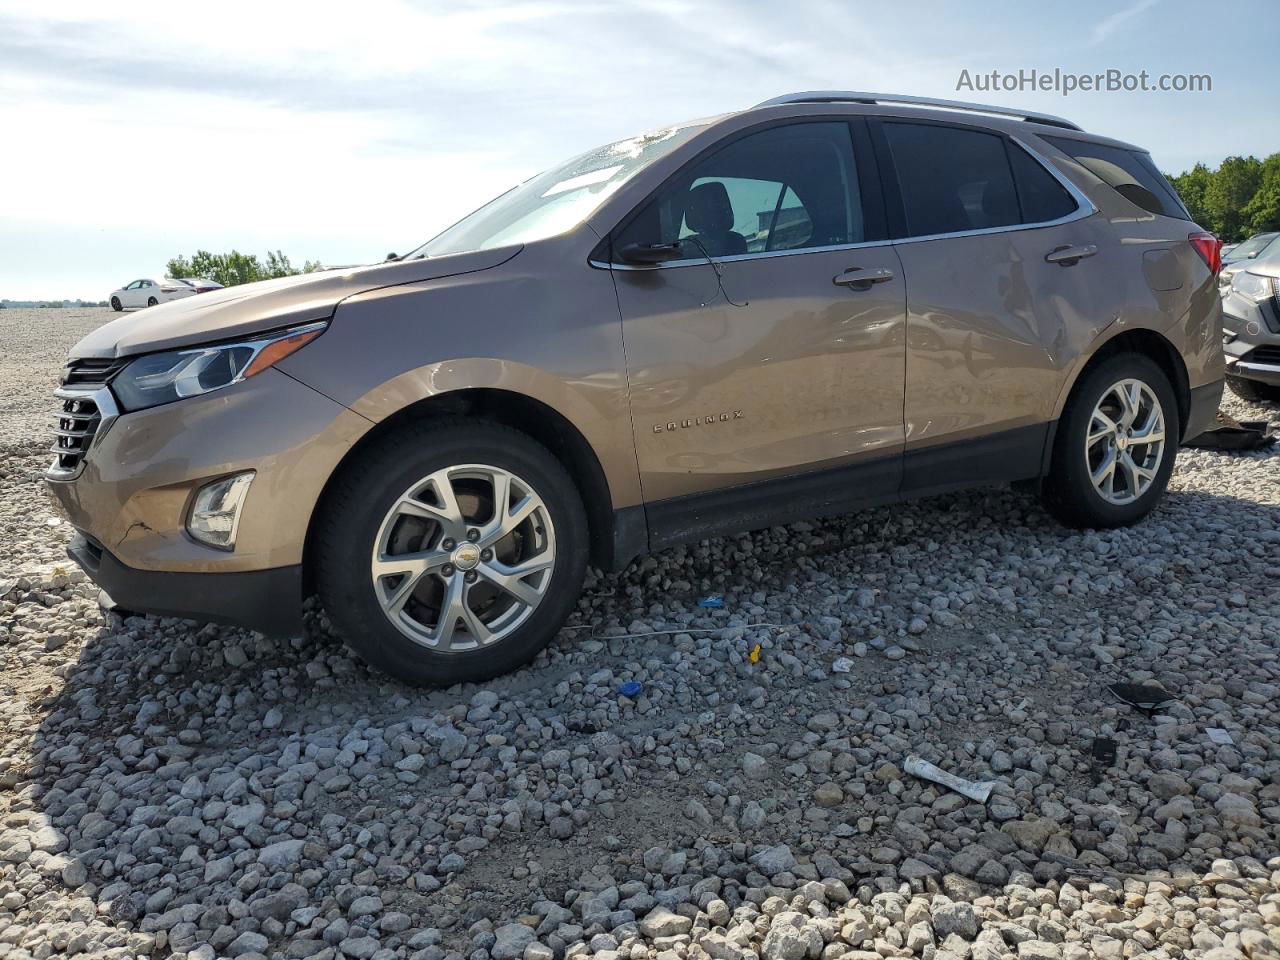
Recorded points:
(1042,197)
(1129,172)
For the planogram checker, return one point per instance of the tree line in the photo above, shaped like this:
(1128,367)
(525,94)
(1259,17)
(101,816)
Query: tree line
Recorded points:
(1238,199)
(230,269)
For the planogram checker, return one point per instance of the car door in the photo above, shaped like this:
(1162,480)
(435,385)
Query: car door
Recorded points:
(1004,266)
(771,347)
(131,295)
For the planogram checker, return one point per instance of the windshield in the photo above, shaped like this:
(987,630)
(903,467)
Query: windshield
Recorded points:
(1253,245)
(557,200)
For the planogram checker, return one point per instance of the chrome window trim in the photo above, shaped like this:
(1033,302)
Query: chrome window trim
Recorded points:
(733,258)
(1084,208)
(108,413)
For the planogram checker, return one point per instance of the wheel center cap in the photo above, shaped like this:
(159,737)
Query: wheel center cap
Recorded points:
(466,556)
(1121,442)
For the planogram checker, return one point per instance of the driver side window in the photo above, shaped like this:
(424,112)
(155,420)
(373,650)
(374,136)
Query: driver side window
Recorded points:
(785,188)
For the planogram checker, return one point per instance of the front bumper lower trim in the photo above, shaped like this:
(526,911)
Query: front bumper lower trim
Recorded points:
(1262,372)
(268,601)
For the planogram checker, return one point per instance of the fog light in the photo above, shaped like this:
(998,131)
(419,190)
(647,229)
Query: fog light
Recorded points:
(215,513)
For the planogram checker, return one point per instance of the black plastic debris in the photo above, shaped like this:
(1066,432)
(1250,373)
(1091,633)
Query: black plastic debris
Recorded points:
(1147,697)
(1103,755)
(1103,751)
(1232,434)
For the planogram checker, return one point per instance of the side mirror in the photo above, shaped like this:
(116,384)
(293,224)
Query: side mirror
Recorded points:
(649,254)
(392,256)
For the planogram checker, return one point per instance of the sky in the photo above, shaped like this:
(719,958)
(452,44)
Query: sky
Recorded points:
(136,131)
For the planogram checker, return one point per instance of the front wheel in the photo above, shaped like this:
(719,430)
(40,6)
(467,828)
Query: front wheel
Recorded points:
(116,305)
(1253,390)
(451,552)
(1115,445)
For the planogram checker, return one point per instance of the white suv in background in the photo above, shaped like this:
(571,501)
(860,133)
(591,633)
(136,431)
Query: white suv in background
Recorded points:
(148,293)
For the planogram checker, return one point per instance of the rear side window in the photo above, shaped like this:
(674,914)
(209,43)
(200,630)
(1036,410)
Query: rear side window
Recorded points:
(1129,172)
(790,187)
(952,180)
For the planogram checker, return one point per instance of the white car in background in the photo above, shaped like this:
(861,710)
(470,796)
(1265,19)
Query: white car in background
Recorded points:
(147,293)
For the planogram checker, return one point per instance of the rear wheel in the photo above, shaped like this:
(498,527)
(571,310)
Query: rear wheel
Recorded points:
(152,301)
(1115,445)
(116,305)
(1253,390)
(451,552)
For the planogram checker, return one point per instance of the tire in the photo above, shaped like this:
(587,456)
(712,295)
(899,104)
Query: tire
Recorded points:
(115,304)
(1253,390)
(152,301)
(407,471)
(1069,491)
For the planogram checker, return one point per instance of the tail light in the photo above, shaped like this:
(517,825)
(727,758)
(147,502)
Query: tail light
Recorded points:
(1209,247)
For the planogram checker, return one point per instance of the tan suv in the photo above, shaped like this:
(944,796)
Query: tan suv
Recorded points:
(827,301)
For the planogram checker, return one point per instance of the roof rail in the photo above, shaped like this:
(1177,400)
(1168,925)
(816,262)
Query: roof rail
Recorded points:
(859,96)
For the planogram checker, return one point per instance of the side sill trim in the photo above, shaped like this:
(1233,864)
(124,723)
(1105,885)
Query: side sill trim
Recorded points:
(1005,457)
(770,502)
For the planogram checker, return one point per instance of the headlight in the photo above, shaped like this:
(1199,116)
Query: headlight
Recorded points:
(1252,286)
(165,377)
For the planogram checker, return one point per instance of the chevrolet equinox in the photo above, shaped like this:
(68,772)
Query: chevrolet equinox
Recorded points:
(827,301)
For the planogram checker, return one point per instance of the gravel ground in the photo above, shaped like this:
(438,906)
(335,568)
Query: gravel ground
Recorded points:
(174,790)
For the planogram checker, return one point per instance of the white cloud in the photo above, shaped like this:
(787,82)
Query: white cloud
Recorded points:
(1109,25)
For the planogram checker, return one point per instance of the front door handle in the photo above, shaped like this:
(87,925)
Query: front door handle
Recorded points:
(859,279)
(1068,255)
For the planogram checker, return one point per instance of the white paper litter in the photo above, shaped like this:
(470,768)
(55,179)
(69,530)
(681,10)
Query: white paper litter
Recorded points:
(1218,735)
(979,790)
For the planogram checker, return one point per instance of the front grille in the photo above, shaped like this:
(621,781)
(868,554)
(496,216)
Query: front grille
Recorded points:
(92,372)
(1267,353)
(77,423)
(87,407)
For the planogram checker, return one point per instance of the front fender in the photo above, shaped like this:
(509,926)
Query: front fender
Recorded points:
(544,326)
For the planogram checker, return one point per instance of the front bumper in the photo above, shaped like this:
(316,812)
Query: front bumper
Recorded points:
(131,495)
(268,601)
(1251,338)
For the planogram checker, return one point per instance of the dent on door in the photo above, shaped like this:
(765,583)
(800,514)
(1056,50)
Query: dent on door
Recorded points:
(781,371)
(992,326)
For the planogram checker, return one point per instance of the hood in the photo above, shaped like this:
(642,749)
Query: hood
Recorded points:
(250,308)
(1263,266)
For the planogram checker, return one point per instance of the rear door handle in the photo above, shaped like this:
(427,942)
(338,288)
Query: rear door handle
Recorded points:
(859,279)
(1068,255)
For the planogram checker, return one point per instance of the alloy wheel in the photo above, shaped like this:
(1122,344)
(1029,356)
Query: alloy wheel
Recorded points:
(463,557)
(1125,442)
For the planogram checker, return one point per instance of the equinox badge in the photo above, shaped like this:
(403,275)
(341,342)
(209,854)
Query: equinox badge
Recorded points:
(724,417)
